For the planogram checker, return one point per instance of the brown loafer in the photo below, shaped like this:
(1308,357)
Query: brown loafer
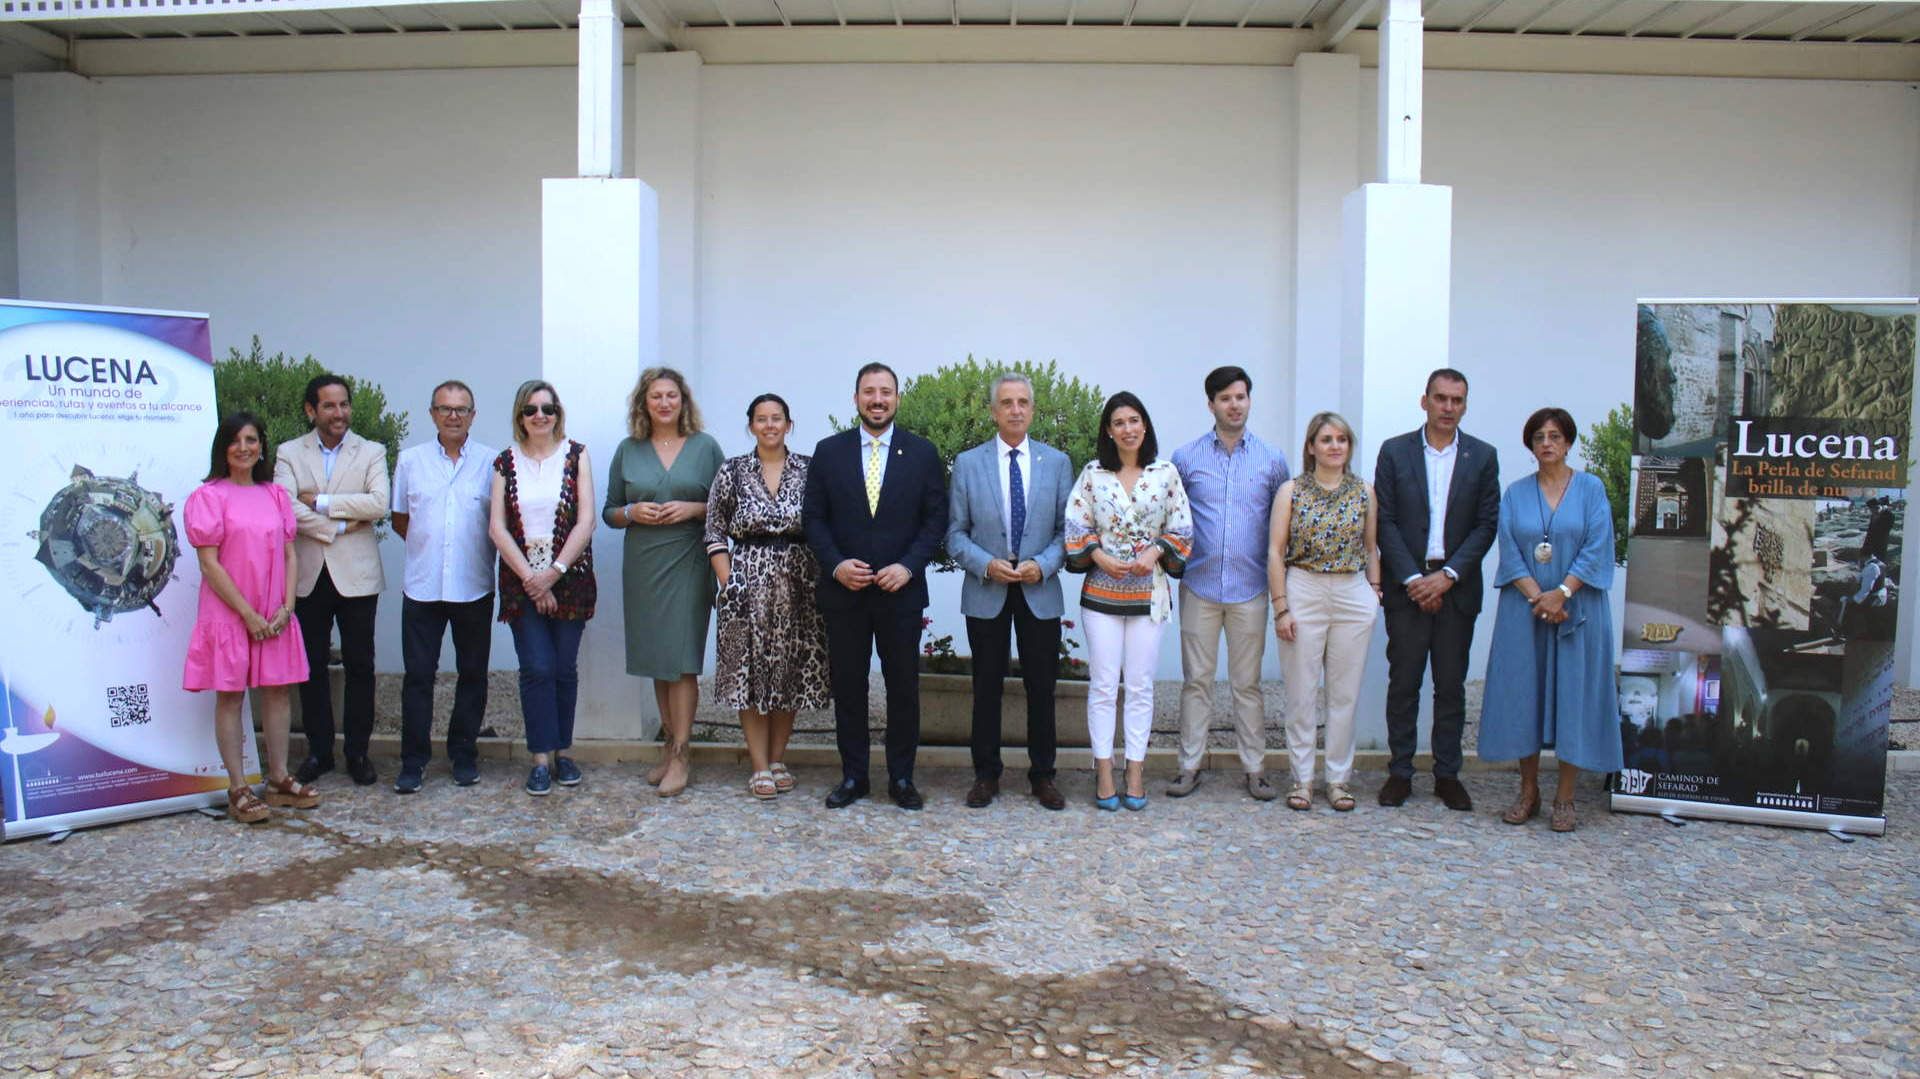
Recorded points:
(1395,791)
(1450,790)
(1048,794)
(980,795)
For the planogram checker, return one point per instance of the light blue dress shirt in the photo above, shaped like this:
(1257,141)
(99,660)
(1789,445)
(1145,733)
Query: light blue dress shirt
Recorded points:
(1232,496)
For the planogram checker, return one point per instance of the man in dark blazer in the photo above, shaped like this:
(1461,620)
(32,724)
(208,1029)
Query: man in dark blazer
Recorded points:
(1439,509)
(875,511)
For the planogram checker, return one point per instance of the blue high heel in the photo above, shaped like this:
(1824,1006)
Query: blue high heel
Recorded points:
(1110,803)
(1134,804)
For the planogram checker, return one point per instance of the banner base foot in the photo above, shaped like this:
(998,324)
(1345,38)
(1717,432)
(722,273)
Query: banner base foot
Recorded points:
(1840,835)
(58,836)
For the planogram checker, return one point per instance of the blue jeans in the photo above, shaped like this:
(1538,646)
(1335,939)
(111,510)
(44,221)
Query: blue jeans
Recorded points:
(549,651)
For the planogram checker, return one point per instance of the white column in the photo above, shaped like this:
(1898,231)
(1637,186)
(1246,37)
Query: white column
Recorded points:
(1326,125)
(1401,60)
(56,158)
(600,89)
(599,324)
(1397,300)
(666,155)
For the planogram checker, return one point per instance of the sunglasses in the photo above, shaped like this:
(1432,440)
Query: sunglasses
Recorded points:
(543,410)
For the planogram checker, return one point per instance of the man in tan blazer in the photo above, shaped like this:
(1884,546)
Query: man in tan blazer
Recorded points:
(338,481)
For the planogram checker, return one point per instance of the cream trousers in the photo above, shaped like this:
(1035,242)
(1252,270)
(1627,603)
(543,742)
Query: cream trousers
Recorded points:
(1333,616)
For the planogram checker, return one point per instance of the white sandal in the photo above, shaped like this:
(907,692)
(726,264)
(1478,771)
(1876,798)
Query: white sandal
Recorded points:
(783,780)
(762,786)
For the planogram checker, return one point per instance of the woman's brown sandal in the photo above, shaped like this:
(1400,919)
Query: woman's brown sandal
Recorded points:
(1339,797)
(783,780)
(1522,810)
(1564,818)
(289,793)
(245,806)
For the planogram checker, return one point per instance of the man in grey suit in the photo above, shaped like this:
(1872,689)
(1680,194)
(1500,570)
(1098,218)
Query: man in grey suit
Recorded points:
(1006,526)
(1438,491)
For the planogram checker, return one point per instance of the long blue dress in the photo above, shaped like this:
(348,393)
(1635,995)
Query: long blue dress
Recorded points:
(1553,686)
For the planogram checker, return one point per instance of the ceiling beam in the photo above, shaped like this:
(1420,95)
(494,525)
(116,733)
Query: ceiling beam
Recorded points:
(656,20)
(51,46)
(1344,20)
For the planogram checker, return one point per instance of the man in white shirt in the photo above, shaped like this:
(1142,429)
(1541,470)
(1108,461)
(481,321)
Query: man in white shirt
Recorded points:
(441,491)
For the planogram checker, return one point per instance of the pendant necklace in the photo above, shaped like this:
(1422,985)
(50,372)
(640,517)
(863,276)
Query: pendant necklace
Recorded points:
(1543,551)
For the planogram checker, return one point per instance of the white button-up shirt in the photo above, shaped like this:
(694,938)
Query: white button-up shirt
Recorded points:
(449,555)
(1005,453)
(1439,483)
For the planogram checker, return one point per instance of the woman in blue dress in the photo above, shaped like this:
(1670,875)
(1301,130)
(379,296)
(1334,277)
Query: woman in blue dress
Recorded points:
(1550,675)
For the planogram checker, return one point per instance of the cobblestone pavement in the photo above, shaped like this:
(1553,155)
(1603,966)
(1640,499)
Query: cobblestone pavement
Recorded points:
(602,931)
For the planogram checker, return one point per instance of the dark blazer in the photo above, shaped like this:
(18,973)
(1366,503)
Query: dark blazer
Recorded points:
(1473,514)
(907,528)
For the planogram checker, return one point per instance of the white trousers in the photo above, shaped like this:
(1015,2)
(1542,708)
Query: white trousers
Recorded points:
(1121,650)
(1201,622)
(1333,616)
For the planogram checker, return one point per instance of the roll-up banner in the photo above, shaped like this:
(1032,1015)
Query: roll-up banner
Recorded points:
(1768,502)
(109,416)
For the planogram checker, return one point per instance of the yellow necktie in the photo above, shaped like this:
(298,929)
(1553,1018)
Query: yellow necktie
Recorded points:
(873,476)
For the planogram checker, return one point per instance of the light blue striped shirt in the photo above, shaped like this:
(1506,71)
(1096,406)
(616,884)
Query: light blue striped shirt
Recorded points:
(1231,495)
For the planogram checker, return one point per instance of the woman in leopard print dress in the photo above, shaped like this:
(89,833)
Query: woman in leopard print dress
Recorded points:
(771,644)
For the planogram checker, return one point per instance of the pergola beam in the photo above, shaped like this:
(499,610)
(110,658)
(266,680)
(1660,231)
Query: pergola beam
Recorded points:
(51,46)
(1344,20)
(657,22)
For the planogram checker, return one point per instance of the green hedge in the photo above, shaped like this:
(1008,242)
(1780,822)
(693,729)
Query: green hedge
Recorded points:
(274,388)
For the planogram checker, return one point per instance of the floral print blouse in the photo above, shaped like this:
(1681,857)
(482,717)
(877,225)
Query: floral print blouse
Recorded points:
(1327,530)
(1100,513)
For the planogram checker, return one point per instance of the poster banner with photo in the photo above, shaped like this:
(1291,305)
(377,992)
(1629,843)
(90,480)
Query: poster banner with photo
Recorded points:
(1771,441)
(110,413)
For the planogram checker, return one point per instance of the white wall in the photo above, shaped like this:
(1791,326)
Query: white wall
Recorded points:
(1134,223)
(9,237)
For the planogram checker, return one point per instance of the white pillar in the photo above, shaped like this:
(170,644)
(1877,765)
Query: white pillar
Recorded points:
(1397,301)
(1401,60)
(1326,124)
(56,158)
(600,89)
(666,155)
(599,324)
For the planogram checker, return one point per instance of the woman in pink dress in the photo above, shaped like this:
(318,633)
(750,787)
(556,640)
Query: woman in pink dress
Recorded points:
(241,523)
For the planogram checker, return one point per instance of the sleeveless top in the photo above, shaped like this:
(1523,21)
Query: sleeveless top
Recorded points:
(1327,533)
(576,590)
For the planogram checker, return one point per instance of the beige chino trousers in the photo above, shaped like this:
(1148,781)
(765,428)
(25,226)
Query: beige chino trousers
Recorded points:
(1245,624)
(1333,616)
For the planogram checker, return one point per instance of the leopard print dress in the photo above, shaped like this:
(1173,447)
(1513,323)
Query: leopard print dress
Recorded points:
(771,644)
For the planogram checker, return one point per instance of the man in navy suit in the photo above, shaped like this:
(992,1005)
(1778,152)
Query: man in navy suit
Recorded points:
(1007,529)
(875,510)
(1439,505)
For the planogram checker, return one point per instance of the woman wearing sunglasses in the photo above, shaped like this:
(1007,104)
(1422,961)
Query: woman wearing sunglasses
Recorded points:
(547,589)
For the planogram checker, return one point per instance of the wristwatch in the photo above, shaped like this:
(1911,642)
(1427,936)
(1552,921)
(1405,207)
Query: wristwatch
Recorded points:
(560,566)
(1564,590)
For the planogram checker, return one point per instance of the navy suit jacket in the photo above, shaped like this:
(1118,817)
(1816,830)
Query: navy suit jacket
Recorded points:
(907,528)
(1472,518)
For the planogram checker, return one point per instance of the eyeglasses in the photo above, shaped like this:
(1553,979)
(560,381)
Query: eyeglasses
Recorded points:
(544,410)
(455,411)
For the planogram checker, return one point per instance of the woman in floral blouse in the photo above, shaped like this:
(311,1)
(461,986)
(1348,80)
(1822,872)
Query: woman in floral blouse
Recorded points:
(1323,570)
(1129,529)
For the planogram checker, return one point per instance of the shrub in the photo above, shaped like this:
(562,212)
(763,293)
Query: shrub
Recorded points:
(1608,452)
(948,407)
(275,387)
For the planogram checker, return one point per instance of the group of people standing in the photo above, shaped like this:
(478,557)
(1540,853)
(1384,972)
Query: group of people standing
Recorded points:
(809,565)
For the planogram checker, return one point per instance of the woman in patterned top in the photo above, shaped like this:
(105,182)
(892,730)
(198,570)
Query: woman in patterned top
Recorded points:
(1129,529)
(547,587)
(1323,571)
(771,644)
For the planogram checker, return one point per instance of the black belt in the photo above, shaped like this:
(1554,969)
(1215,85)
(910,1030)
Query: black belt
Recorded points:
(1433,564)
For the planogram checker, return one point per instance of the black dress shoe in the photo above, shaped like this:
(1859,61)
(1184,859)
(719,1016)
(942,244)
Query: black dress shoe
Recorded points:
(1048,794)
(1395,790)
(1450,790)
(905,795)
(311,769)
(361,769)
(848,792)
(980,795)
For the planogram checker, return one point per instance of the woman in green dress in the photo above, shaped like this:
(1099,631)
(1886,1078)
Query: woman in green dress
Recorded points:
(657,492)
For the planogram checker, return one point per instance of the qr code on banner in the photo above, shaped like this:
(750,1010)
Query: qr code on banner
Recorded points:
(127,705)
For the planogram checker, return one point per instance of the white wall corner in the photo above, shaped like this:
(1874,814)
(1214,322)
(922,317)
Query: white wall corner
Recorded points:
(57,195)
(666,155)
(599,325)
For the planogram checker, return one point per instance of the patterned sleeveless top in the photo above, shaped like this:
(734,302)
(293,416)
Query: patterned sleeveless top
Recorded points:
(1329,528)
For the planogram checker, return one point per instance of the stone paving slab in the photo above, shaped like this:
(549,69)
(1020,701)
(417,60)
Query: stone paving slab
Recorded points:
(603,931)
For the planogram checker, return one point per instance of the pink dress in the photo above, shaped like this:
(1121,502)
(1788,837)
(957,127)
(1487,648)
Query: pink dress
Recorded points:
(251,525)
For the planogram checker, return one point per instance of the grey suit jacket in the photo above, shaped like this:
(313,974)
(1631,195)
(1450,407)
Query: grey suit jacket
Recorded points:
(977,527)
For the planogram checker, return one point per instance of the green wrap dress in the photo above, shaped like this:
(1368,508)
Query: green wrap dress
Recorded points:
(667,583)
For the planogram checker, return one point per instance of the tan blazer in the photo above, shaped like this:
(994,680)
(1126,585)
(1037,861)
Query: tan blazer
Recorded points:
(357,492)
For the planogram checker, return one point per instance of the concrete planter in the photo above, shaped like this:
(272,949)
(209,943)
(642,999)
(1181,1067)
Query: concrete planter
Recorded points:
(946,711)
